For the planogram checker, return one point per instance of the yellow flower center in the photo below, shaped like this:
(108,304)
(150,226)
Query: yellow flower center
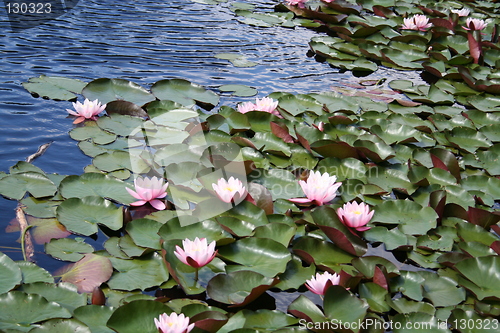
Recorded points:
(357,212)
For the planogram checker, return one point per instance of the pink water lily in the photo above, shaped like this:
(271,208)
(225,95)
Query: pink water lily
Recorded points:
(173,323)
(87,110)
(265,104)
(195,253)
(299,3)
(246,107)
(461,12)
(319,284)
(226,190)
(318,188)
(417,22)
(149,190)
(355,215)
(474,24)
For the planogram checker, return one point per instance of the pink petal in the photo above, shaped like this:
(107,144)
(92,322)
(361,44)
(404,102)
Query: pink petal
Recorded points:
(158,204)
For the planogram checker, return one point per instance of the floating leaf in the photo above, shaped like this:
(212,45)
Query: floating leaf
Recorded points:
(238,60)
(37,184)
(108,90)
(62,326)
(141,273)
(63,293)
(184,92)
(10,274)
(483,276)
(68,249)
(54,87)
(19,310)
(95,184)
(239,90)
(261,255)
(81,215)
(32,273)
(238,288)
(95,317)
(140,316)
(89,272)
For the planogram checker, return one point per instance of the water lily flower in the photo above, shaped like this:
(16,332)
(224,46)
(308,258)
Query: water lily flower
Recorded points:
(299,3)
(474,24)
(319,188)
(321,282)
(195,253)
(246,107)
(173,324)
(227,189)
(355,215)
(266,104)
(87,110)
(461,12)
(149,190)
(417,22)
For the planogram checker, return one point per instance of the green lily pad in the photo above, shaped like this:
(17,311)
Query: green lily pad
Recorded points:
(238,288)
(261,255)
(108,90)
(295,274)
(54,87)
(144,232)
(62,326)
(482,276)
(63,293)
(140,316)
(140,273)
(321,253)
(239,90)
(10,273)
(37,184)
(184,92)
(20,311)
(95,184)
(238,60)
(412,217)
(32,273)
(81,215)
(95,317)
(68,249)
(344,306)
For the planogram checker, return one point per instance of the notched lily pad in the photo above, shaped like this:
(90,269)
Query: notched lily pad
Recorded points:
(54,87)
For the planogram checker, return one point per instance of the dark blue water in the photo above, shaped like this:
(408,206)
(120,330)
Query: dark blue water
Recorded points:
(143,41)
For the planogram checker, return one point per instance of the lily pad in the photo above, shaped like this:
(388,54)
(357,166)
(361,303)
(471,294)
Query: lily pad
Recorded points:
(140,314)
(81,215)
(238,60)
(10,273)
(54,87)
(108,90)
(19,310)
(88,273)
(184,92)
(261,255)
(238,288)
(239,90)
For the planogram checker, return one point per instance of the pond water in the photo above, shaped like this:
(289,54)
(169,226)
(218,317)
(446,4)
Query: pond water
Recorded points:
(142,41)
